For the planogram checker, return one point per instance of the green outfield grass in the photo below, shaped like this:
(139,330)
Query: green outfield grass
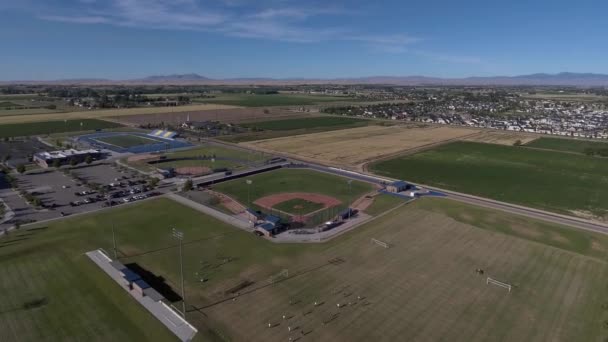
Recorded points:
(294,180)
(51,127)
(427,278)
(298,206)
(383,203)
(548,180)
(253,100)
(567,145)
(127,140)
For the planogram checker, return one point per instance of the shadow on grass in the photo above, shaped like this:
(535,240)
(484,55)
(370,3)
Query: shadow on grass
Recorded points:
(156,282)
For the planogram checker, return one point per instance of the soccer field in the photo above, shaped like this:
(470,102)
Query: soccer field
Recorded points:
(422,288)
(560,182)
(127,140)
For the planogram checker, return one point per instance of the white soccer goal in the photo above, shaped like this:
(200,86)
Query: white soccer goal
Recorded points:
(498,283)
(381,243)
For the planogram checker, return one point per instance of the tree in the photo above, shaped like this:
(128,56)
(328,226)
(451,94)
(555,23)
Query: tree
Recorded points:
(21,168)
(517,143)
(6,158)
(153,182)
(73,162)
(188,185)
(88,159)
(56,163)
(17,224)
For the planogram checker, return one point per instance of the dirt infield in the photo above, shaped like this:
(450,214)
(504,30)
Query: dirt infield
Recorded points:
(192,170)
(352,147)
(269,202)
(230,115)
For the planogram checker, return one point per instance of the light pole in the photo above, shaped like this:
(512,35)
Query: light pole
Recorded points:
(350,195)
(249,181)
(179,235)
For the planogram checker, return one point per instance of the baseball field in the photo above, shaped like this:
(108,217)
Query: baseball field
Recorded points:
(555,181)
(349,147)
(272,189)
(424,287)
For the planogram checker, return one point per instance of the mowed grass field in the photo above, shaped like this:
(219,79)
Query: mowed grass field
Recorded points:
(295,126)
(127,140)
(422,288)
(298,206)
(555,181)
(254,100)
(293,180)
(567,145)
(52,127)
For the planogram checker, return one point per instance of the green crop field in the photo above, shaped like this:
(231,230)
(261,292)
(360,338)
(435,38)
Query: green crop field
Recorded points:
(298,206)
(51,127)
(127,140)
(330,122)
(253,100)
(6,104)
(294,180)
(555,181)
(567,145)
(422,288)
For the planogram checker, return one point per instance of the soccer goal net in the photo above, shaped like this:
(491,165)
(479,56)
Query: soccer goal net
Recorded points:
(498,283)
(380,243)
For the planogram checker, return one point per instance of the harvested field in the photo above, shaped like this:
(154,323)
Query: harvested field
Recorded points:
(108,113)
(501,138)
(351,147)
(225,114)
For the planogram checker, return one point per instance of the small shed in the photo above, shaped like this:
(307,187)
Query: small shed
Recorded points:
(266,229)
(398,186)
(274,220)
(140,286)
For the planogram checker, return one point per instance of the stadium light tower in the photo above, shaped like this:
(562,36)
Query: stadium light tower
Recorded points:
(249,181)
(350,195)
(179,235)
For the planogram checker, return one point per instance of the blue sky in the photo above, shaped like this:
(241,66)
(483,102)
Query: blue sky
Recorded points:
(122,39)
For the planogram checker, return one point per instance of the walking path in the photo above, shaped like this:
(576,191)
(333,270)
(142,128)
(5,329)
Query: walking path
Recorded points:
(242,224)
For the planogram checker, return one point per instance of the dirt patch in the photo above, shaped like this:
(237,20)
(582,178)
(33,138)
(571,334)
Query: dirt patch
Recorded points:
(192,171)
(269,202)
(228,203)
(526,231)
(143,157)
(501,138)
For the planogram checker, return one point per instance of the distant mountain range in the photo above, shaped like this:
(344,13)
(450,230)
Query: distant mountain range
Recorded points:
(561,79)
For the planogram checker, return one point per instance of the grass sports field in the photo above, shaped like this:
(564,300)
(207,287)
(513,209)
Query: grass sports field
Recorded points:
(352,147)
(422,288)
(293,180)
(555,181)
(296,126)
(51,127)
(253,100)
(127,140)
(567,145)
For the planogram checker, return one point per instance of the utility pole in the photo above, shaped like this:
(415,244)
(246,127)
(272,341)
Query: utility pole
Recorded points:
(113,234)
(350,195)
(179,235)
(249,181)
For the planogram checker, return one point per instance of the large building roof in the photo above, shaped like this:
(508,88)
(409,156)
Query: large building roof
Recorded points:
(65,153)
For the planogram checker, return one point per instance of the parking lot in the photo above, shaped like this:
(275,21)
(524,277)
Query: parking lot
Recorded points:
(80,190)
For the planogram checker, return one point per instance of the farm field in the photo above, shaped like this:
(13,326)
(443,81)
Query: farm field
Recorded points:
(293,180)
(254,100)
(423,287)
(351,147)
(567,145)
(501,138)
(295,126)
(233,115)
(18,117)
(554,181)
(127,141)
(51,127)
